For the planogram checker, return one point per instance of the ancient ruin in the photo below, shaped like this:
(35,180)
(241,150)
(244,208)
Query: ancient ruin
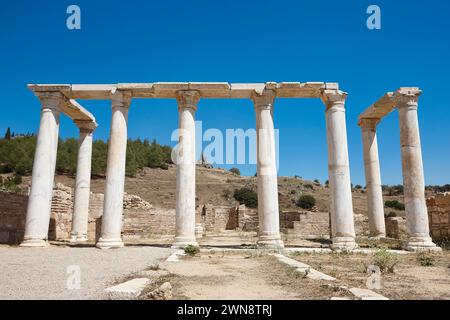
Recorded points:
(60,98)
(405,100)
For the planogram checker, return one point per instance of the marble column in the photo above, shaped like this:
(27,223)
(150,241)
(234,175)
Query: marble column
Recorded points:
(115,173)
(375,205)
(341,207)
(80,217)
(268,210)
(40,198)
(413,178)
(185,190)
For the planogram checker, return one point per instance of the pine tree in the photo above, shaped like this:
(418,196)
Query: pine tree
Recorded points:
(8,134)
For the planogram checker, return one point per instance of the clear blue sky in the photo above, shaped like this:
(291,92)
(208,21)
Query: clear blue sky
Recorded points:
(239,41)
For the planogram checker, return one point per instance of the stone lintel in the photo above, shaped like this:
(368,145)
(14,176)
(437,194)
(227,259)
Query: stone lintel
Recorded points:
(206,89)
(76,112)
(92,91)
(379,109)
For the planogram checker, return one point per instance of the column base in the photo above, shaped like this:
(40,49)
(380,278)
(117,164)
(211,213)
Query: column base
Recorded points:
(183,242)
(109,243)
(344,243)
(34,243)
(274,244)
(78,239)
(421,244)
(377,237)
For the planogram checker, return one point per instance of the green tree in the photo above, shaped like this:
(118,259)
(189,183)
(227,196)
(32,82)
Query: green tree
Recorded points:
(8,134)
(306,202)
(246,196)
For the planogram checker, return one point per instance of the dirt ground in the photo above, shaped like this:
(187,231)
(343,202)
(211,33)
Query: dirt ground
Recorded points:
(240,276)
(410,279)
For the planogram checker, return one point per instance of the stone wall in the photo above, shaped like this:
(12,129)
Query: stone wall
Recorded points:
(396,227)
(13,209)
(439,217)
(219,218)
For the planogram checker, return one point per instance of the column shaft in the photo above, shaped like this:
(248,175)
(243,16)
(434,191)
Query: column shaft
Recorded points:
(80,217)
(185,190)
(341,207)
(268,209)
(375,205)
(413,178)
(115,174)
(40,198)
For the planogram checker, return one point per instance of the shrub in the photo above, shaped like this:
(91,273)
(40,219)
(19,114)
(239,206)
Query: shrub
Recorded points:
(246,196)
(395,204)
(306,202)
(425,259)
(385,260)
(191,250)
(292,192)
(235,171)
(358,187)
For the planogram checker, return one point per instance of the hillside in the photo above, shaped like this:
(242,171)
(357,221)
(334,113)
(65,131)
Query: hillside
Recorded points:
(216,186)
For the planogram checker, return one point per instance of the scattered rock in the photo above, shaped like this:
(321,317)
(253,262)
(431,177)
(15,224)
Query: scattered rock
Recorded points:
(164,292)
(128,289)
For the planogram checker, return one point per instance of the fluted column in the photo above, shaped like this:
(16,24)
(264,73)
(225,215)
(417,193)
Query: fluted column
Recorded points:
(115,173)
(80,217)
(341,207)
(40,198)
(413,178)
(375,205)
(268,210)
(185,192)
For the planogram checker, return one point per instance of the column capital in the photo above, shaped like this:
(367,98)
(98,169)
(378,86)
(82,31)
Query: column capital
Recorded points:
(188,99)
(368,123)
(50,99)
(407,97)
(264,99)
(86,125)
(121,98)
(334,98)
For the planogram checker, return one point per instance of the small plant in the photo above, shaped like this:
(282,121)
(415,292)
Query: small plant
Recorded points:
(153,267)
(292,192)
(306,202)
(246,196)
(191,250)
(235,171)
(395,204)
(425,259)
(385,260)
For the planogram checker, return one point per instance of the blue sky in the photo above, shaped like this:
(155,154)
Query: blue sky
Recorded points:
(239,41)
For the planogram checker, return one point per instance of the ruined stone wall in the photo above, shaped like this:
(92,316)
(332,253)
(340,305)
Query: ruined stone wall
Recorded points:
(13,210)
(439,217)
(61,217)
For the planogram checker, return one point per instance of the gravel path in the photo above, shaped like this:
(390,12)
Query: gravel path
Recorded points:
(35,273)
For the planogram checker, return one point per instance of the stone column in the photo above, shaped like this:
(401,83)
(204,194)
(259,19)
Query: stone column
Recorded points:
(268,211)
(115,173)
(413,178)
(185,193)
(375,205)
(341,208)
(40,198)
(80,217)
